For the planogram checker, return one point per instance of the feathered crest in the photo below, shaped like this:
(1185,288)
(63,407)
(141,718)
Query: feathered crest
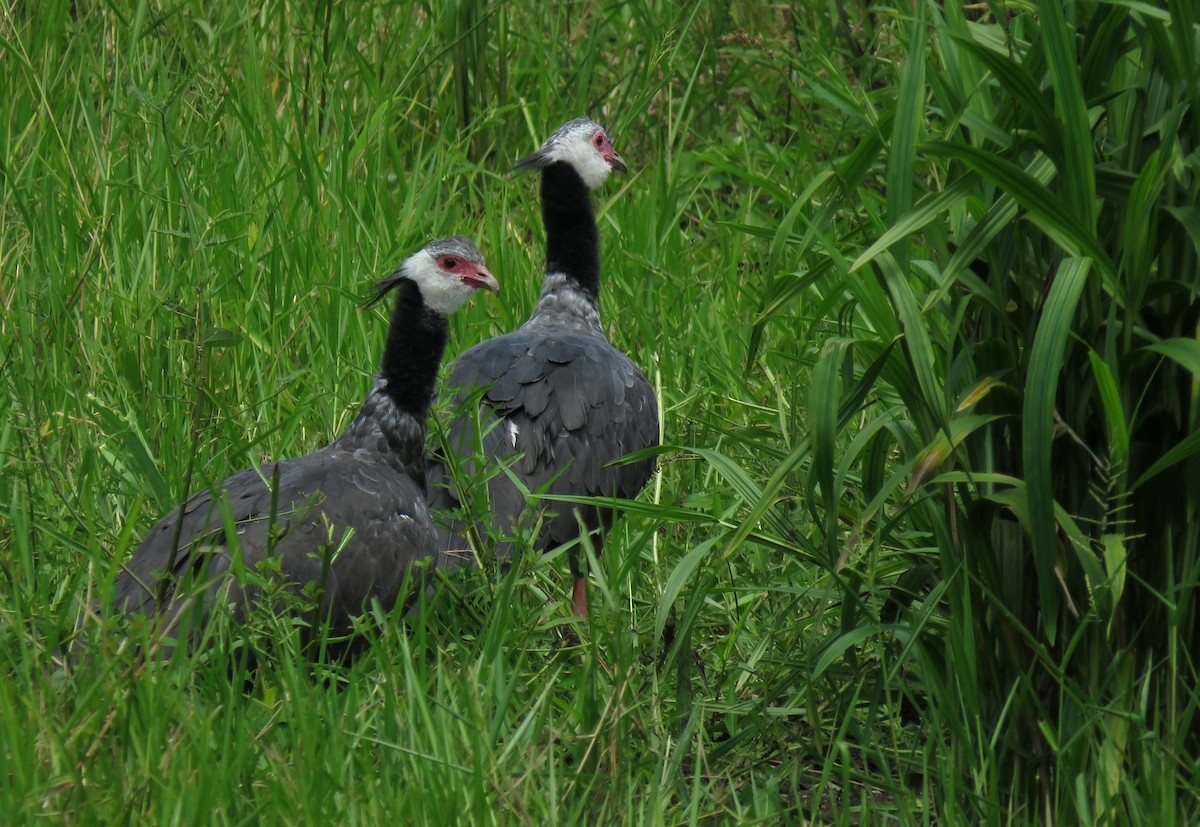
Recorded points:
(381,289)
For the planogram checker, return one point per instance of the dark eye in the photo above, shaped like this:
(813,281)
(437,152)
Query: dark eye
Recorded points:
(449,262)
(599,139)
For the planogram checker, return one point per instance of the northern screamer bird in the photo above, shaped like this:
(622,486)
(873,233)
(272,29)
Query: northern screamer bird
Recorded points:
(559,403)
(349,519)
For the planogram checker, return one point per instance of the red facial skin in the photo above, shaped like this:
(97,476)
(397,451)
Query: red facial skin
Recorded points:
(605,148)
(469,273)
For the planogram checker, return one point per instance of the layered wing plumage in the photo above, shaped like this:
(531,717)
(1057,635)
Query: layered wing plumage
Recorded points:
(342,525)
(345,522)
(558,406)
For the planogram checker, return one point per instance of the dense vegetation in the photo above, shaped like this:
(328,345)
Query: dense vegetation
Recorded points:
(918,286)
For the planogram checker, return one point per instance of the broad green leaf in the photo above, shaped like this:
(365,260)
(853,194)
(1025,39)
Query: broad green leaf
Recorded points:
(1041,386)
(999,215)
(1187,447)
(749,490)
(1048,212)
(1150,10)
(918,347)
(657,511)
(1114,413)
(1078,173)
(934,454)
(1186,352)
(823,399)
(796,283)
(1017,81)
(929,209)
(748,229)
(1017,499)
(680,575)
(1139,231)
(1116,551)
(838,646)
(803,450)
(905,130)
(859,162)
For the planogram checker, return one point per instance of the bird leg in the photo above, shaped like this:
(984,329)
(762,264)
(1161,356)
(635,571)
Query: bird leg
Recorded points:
(579,604)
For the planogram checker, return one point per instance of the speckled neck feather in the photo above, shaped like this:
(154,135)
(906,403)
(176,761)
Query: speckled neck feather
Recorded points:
(564,302)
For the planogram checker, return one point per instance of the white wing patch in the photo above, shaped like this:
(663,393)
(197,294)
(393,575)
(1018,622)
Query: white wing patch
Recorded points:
(513,432)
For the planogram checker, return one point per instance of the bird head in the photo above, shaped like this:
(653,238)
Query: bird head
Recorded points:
(584,145)
(447,271)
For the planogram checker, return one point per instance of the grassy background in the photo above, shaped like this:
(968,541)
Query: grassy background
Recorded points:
(845,598)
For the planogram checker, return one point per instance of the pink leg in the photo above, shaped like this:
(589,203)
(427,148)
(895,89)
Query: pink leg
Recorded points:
(579,604)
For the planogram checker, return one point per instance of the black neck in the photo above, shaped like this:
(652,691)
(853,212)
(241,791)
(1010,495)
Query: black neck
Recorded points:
(572,241)
(415,344)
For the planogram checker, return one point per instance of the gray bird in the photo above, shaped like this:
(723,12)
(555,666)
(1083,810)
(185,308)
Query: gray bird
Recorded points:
(349,519)
(559,403)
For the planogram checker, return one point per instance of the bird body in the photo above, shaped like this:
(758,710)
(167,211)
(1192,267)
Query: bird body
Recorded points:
(293,511)
(559,403)
(349,520)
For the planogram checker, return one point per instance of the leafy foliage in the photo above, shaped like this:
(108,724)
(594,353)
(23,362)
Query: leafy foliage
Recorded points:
(917,285)
(1044,327)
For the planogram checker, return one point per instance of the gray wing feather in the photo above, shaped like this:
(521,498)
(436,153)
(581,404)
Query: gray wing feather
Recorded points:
(322,498)
(576,404)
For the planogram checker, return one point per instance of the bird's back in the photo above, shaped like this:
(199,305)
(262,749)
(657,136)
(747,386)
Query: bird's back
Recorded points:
(559,403)
(346,522)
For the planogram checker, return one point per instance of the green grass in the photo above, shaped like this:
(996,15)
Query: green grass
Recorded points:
(918,290)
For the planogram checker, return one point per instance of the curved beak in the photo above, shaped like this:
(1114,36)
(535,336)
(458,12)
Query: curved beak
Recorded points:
(482,279)
(615,161)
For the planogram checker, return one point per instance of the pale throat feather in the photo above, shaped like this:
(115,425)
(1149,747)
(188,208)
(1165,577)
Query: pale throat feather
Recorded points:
(585,160)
